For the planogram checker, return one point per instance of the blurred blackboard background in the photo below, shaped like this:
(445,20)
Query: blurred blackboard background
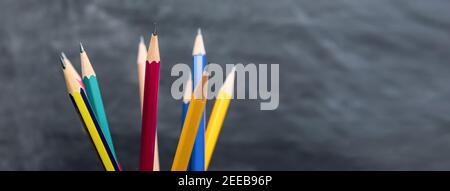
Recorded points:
(365,85)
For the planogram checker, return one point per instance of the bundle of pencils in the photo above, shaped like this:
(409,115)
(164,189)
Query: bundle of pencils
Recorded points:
(195,147)
(78,93)
(190,126)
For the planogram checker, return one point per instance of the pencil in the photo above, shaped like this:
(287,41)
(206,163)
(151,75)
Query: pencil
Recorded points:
(84,110)
(95,97)
(150,106)
(217,116)
(186,99)
(142,57)
(190,126)
(197,160)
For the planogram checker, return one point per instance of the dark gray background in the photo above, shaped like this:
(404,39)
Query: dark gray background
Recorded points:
(365,85)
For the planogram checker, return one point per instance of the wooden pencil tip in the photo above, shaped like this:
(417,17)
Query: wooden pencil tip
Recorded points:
(81,48)
(206,71)
(155,30)
(199,47)
(188,90)
(153,49)
(228,86)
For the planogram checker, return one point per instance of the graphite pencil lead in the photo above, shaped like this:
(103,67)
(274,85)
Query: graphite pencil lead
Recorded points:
(141,39)
(61,59)
(155,31)
(63,55)
(81,48)
(199,31)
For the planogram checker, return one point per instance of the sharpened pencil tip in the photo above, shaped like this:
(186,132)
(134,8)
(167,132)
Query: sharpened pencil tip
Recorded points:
(199,31)
(228,85)
(81,48)
(141,39)
(233,70)
(155,30)
(63,55)
(61,59)
(206,70)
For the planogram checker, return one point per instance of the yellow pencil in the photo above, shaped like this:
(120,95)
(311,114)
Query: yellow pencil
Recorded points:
(217,116)
(190,126)
(78,97)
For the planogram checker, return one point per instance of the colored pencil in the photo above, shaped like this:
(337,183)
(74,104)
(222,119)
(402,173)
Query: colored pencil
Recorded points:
(95,97)
(142,57)
(217,116)
(186,99)
(149,111)
(197,160)
(190,126)
(83,108)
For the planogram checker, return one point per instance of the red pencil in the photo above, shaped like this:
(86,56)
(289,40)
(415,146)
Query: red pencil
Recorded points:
(150,107)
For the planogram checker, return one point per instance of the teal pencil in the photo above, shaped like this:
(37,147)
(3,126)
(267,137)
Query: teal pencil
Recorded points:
(95,97)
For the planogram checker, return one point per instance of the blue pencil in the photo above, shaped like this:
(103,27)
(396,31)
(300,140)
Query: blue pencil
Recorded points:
(197,161)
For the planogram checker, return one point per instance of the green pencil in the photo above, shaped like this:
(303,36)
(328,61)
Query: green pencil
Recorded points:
(95,97)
